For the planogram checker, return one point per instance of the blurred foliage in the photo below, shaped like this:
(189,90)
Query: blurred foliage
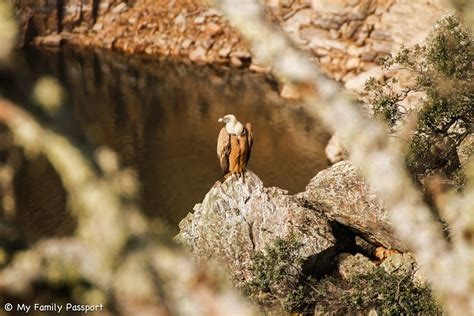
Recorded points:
(8,29)
(49,94)
(466,9)
(125,263)
(442,69)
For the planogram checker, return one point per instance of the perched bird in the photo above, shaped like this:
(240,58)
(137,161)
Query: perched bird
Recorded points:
(234,145)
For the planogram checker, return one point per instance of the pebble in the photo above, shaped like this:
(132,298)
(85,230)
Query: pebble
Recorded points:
(257,68)
(186,43)
(334,34)
(352,63)
(119,8)
(236,62)
(224,51)
(213,12)
(199,20)
(213,29)
(98,27)
(198,54)
(180,21)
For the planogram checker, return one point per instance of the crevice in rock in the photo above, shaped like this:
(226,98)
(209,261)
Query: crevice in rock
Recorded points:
(251,234)
(352,241)
(345,236)
(347,241)
(320,264)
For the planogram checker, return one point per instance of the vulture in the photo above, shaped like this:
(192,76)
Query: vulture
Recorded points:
(234,145)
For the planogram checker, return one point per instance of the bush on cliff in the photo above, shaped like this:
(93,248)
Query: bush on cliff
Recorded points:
(276,274)
(387,293)
(278,281)
(442,69)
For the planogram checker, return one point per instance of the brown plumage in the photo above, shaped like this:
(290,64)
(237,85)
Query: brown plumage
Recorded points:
(223,150)
(233,151)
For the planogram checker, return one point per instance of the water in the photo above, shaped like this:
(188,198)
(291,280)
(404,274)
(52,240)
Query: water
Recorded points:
(161,119)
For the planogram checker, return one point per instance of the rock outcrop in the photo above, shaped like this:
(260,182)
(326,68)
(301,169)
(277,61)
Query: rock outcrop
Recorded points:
(343,195)
(237,219)
(331,221)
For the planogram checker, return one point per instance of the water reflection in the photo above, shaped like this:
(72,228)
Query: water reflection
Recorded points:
(161,117)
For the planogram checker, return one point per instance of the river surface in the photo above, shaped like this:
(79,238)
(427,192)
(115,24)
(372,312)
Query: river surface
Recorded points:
(161,118)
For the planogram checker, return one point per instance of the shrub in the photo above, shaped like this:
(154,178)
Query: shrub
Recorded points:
(442,68)
(276,274)
(391,294)
(277,280)
(388,294)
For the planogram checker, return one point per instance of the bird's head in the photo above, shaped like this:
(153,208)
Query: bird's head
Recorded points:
(229,118)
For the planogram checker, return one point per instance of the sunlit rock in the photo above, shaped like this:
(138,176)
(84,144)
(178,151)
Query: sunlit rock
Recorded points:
(237,219)
(357,83)
(342,194)
(119,8)
(399,262)
(198,54)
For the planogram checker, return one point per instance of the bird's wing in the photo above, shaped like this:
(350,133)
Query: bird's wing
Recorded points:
(248,126)
(223,150)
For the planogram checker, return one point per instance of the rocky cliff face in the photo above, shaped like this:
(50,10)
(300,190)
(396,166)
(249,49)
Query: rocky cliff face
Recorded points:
(348,37)
(345,37)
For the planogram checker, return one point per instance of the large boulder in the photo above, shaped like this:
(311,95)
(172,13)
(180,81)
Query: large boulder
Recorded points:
(342,194)
(239,218)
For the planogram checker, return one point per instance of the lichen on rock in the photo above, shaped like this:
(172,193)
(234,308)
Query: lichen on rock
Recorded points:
(342,194)
(239,218)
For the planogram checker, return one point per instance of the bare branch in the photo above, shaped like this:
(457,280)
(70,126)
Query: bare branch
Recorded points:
(153,278)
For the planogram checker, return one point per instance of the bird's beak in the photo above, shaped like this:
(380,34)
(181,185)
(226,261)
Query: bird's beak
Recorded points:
(220,120)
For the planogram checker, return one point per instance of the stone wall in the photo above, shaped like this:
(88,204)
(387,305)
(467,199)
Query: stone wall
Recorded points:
(345,37)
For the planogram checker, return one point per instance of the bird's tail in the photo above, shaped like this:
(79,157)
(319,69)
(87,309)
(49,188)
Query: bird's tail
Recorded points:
(248,126)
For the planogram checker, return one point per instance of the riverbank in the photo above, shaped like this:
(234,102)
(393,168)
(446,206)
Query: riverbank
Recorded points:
(346,39)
